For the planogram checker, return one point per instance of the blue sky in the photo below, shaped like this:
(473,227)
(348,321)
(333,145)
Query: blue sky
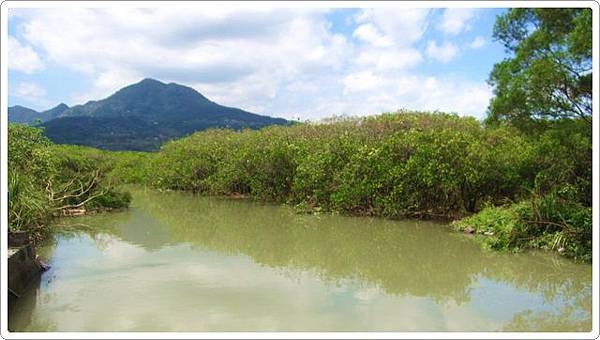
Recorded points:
(306,63)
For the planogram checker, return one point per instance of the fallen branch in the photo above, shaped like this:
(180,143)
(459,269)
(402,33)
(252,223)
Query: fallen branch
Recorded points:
(79,205)
(82,192)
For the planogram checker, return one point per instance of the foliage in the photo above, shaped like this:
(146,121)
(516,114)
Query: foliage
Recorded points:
(556,213)
(29,162)
(29,151)
(551,222)
(397,165)
(129,167)
(89,168)
(550,71)
(46,179)
(405,164)
(28,206)
(563,160)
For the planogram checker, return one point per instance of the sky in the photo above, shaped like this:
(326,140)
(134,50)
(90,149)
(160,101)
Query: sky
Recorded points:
(303,63)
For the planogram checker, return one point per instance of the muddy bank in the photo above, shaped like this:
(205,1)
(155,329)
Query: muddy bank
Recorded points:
(23,266)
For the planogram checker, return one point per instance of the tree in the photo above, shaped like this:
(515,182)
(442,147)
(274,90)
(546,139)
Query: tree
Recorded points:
(549,73)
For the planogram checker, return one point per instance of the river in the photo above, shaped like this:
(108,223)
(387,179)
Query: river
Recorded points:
(178,262)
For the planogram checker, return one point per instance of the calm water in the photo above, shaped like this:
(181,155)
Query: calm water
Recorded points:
(176,262)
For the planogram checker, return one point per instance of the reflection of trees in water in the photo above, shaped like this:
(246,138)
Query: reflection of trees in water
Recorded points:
(413,258)
(566,319)
(569,285)
(547,274)
(138,229)
(335,247)
(98,228)
(416,258)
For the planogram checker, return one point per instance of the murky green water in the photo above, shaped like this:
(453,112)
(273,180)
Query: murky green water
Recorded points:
(176,262)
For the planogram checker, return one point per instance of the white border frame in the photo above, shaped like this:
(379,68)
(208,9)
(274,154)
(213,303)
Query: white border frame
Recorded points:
(5,5)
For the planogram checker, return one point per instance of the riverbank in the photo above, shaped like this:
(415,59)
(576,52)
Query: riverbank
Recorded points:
(531,189)
(399,165)
(24,268)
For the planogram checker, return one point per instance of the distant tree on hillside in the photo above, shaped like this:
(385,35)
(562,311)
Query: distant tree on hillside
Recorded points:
(549,72)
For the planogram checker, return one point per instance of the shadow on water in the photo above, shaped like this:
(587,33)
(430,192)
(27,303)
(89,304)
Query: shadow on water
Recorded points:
(412,259)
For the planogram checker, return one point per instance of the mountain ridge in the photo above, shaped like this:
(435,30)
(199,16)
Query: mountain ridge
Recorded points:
(25,115)
(142,116)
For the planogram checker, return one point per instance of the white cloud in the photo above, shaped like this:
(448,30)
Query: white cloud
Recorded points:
(403,25)
(22,58)
(416,92)
(280,62)
(456,20)
(106,83)
(29,90)
(361,81)
(217,52)
(31,94)
(443,53)
(389,59)
(369,33)
(477,43)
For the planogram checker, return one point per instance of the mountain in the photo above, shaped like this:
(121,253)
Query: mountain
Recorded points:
(24,115)
(21,114)
(108,133)
(54,112)
(144,115)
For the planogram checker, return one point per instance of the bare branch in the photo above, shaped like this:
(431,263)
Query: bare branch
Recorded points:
(82,192)
(79,205)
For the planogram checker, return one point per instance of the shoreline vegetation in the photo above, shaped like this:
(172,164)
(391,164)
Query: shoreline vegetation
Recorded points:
(515,188)
(46,180)
(521,179)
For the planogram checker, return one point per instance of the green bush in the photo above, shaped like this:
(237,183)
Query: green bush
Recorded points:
(30,163)
(45,179)
(112,199)
(552,222)
(28,207)
(404,164)
(129,167)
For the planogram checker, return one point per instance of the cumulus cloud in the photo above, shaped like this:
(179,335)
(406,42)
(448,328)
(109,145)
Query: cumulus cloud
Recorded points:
(477,43)
(443,53)
(389,59)
(361,81)
(404,26)
(29,90)
(216,51)
(282,62)
(416,92)
(30,93)
(456,20)
(370,34)
(22,58)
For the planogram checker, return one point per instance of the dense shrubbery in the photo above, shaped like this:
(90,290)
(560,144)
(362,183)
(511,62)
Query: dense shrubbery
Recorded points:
(529,189)
(552,222)
(46,180)
(30,161)
(403,165)
(394,165)
(557,214)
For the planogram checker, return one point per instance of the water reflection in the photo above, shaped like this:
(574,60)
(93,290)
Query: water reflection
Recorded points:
(178,262)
